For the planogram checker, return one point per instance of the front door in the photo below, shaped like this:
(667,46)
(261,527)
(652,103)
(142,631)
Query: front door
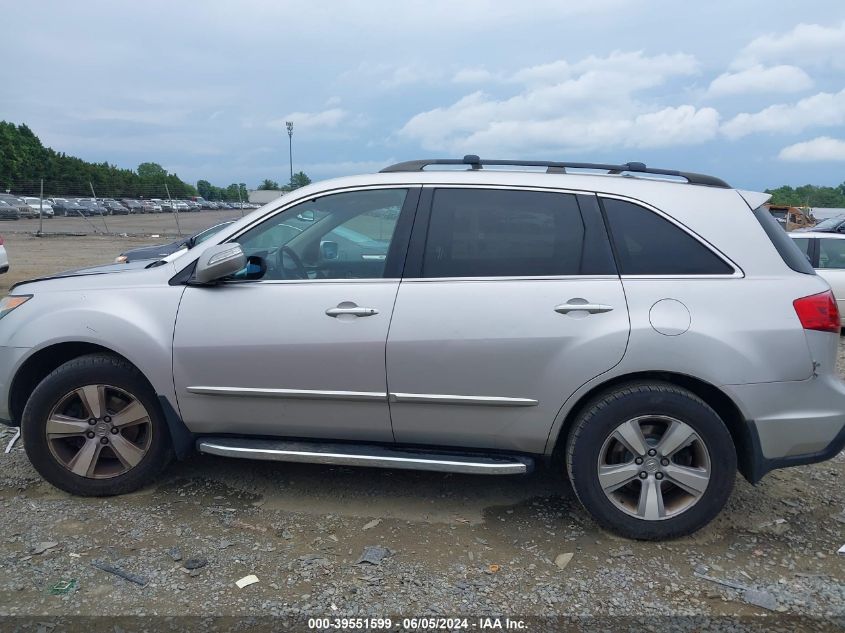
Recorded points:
(299,353)
(510,303)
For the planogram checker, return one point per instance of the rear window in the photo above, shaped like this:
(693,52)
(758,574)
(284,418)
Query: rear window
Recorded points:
(789,252)
(647,244)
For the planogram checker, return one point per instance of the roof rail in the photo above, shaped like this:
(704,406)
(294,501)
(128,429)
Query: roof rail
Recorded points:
(553,167)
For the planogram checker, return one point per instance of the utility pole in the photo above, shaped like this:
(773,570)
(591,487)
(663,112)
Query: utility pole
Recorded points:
(240,201)
(90,184)
(175,212)
(289,126)
(41,210)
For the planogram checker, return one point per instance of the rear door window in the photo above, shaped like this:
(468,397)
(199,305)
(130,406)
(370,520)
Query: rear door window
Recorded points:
(831,253)
(648,244)
(500,233)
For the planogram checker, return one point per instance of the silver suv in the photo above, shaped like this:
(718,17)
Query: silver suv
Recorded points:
(445,315)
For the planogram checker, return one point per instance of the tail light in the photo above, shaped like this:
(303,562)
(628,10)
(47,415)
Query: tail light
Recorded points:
(818,312)
(2,241)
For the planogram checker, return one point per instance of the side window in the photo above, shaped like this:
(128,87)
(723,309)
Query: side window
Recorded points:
(804,244)
(339,236)
(647,244)
(499,233)
(831,253)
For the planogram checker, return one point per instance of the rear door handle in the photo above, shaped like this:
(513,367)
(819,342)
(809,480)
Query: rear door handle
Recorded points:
(351,310)
(592,308)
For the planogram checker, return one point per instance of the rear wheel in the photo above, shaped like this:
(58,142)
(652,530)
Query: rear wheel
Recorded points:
(651,461)
(94,427)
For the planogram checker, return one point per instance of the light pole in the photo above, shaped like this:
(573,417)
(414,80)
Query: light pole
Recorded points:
(289,126)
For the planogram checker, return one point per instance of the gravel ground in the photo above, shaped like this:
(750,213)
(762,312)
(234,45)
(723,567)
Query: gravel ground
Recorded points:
(454,544)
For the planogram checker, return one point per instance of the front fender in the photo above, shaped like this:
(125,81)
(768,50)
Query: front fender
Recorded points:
(135,322)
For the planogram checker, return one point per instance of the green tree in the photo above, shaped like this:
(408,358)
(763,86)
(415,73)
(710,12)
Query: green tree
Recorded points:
(204,189)
(152,171)
(268,184)
(300,179)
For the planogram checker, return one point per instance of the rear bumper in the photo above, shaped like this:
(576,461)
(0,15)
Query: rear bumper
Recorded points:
(790,423)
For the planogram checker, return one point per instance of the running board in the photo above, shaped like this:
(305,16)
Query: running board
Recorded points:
(362,455)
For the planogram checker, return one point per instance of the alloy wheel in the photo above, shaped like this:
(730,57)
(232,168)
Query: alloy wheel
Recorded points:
(654,467)
(99,431)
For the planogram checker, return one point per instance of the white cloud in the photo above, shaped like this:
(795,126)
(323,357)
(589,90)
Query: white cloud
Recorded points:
(308,121)
(809,44)
(759,78)
(822,109)
(631,66)
(583,105)
(822,148)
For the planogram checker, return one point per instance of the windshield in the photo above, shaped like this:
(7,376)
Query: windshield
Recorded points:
(830,223)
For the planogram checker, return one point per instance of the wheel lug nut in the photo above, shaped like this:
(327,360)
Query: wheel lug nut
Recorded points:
(104,440)
(658,476)
(107,419)
(652,452)
(90,435)
(638,461)
(664,462)
(92,421)
(115,430)
(643,475)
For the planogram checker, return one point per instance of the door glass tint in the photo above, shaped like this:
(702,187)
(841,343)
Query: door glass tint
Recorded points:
(803,243)
(340,236)
(498,233)
(831,253)
(647,244)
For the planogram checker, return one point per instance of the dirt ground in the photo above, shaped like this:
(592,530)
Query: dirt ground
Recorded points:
(457,545)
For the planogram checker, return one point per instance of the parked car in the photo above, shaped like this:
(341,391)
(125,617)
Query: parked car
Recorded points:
(90,207)
(134,206)
(13,201)
(603,323)
(826,253)
(4,257)
(150,206)
(70,208)
(153,253)
(115,208)
(8,212)
(830,225)
(38,207)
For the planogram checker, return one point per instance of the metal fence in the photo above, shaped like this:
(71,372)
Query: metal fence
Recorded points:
(86,208)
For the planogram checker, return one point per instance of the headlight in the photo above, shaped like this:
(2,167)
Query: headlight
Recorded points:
(120,259)
(10,302)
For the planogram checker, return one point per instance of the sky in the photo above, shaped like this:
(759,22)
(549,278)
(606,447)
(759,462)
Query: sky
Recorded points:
(751,91)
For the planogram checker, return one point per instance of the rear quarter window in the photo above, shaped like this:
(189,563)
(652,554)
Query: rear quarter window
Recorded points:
(648,244)
(789,252)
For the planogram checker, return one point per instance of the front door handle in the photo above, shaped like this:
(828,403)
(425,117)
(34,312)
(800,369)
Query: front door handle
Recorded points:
(573,305)
(347,307)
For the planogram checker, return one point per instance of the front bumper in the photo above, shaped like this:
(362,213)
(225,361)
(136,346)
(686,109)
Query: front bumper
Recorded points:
(790,423)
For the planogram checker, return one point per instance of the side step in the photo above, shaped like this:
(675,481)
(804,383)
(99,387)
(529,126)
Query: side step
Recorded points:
(363,455)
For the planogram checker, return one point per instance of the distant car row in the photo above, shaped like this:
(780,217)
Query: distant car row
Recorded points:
(16,207)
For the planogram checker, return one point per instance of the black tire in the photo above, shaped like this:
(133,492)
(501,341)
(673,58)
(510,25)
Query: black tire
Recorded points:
(91,370)
(601,417)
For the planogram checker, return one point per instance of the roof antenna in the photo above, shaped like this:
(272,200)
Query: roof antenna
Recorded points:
(473,160)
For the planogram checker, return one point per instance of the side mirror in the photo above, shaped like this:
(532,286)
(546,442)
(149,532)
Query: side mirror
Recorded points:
(219,261)
(329,249)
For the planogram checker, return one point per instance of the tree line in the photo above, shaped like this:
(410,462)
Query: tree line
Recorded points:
(25,161)
(809,196)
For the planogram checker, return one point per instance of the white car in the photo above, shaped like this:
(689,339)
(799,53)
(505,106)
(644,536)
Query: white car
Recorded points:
(4,258)
(826,252)
(36,205)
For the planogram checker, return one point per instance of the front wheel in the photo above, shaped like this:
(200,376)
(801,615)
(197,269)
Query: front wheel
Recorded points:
(651,461)
(94,427)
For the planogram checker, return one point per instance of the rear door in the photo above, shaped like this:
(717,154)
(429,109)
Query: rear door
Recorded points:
(510,301)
